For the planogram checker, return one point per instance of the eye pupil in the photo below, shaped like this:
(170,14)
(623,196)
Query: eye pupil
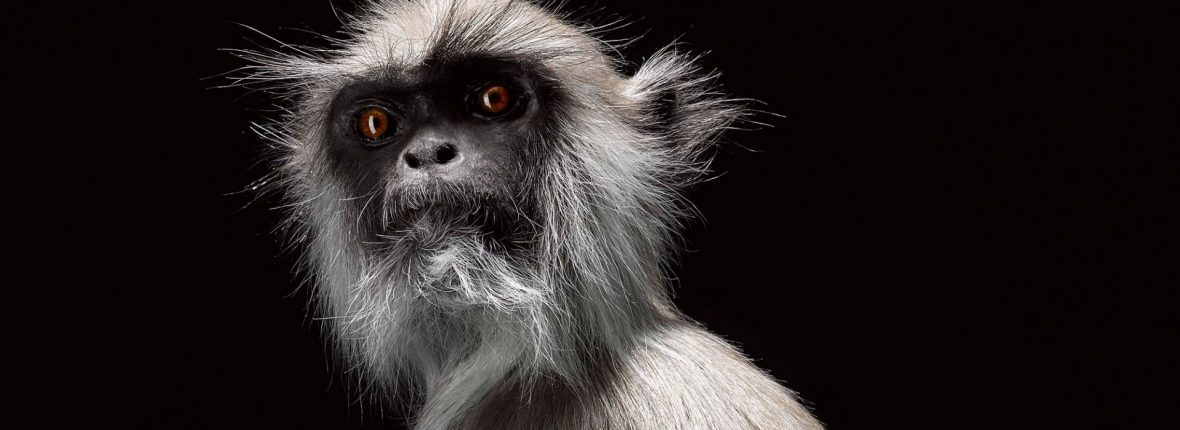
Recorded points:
(373,123)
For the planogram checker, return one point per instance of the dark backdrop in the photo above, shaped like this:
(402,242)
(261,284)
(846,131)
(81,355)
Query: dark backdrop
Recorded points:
(966,217)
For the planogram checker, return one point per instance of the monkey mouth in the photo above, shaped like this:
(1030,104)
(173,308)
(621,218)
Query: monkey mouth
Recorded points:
(435,216)
(478,214)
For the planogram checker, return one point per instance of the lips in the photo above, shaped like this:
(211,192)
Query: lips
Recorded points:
(468,213)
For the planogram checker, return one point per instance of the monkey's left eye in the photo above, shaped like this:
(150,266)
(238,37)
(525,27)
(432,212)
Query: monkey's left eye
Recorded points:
(494,100)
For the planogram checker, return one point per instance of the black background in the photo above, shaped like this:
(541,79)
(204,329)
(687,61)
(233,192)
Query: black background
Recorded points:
(965,219)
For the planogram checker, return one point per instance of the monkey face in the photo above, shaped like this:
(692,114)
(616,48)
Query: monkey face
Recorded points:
(488,155)
(441,148)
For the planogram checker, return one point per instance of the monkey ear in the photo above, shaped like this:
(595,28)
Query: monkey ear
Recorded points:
(681,103)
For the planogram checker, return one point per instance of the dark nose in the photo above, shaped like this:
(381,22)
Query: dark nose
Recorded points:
(430,153)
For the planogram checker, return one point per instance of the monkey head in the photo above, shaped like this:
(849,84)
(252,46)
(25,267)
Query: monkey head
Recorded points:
(481,174)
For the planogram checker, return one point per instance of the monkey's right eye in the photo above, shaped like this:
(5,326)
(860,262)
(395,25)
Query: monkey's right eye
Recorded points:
(374,123)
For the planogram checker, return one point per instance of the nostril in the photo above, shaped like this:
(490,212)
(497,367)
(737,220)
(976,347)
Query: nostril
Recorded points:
(444,154)
(412,161)
(427,156)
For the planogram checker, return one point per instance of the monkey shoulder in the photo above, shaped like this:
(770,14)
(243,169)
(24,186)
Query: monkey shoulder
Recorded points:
(677,376)
(685,376)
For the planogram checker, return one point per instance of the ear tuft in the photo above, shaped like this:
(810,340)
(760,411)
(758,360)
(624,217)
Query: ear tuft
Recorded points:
(682,103)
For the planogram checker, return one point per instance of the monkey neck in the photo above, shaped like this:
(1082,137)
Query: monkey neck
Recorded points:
(487,344)
(488,387)
(465,356)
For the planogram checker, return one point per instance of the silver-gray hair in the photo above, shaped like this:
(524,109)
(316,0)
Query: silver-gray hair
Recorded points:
(575,328)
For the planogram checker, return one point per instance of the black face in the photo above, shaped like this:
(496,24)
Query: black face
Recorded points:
(448,145)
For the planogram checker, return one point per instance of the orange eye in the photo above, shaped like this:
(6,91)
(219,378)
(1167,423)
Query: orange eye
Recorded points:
(494,99)
(373,123)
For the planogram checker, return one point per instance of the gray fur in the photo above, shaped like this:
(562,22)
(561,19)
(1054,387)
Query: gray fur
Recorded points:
(579,331)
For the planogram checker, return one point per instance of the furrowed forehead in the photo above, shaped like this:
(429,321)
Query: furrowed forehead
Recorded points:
(403,35)
(449,71)
(394,40)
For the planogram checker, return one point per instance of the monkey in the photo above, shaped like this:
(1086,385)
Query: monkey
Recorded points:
(488,209)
